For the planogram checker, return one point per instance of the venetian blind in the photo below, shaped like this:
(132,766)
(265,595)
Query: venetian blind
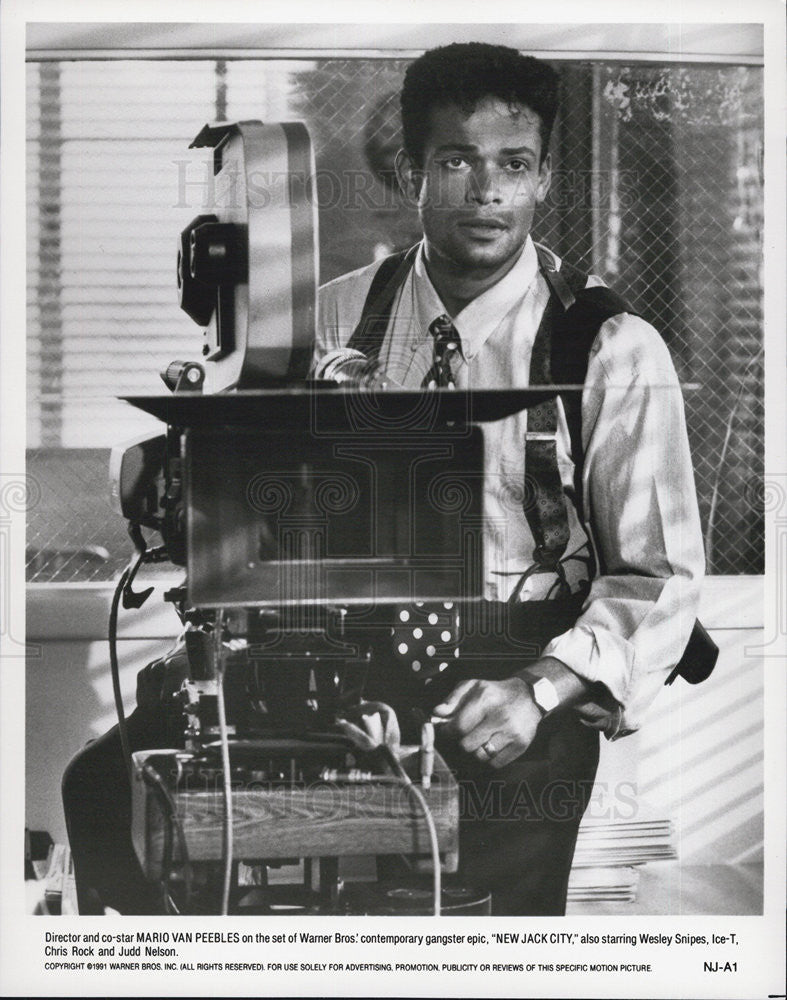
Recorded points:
(110,185)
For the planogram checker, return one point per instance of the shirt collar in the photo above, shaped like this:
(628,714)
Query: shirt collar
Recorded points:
(481,317)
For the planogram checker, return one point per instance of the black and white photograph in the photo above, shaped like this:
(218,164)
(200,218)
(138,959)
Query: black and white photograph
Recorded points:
(393,502)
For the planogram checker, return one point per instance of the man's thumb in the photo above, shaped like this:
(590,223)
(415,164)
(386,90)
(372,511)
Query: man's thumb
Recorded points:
(452,702)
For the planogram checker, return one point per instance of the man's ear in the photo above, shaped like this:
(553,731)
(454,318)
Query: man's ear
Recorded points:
(410,178)
(544,178)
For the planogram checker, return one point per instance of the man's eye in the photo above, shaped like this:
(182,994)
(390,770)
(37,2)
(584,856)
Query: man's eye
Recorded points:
(518,166)
(455,162)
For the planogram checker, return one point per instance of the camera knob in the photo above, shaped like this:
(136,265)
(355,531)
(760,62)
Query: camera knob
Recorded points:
(197,298)
(217,253)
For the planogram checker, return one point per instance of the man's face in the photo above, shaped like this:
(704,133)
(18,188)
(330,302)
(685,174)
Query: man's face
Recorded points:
(481,180)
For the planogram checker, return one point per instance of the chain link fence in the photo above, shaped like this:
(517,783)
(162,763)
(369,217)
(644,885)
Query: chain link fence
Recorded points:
(657,188)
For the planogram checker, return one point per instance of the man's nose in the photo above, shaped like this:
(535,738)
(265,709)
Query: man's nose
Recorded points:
(484,185)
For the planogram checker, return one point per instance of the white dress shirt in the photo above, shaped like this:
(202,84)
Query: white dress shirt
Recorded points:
(638,483)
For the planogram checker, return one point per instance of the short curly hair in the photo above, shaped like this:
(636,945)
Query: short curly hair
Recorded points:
(463,74)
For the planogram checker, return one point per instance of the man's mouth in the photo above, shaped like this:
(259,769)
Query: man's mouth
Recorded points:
(483,226)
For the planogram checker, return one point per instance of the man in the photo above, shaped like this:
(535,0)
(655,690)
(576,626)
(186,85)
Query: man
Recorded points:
(522,735)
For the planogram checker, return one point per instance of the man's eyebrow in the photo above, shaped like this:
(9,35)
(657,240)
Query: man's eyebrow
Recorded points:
(513,150)
(458,147)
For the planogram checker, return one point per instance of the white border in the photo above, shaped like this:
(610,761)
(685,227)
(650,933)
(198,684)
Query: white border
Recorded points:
(20,938)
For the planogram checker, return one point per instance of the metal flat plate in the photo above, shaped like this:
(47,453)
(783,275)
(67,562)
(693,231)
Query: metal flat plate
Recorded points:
(397,410)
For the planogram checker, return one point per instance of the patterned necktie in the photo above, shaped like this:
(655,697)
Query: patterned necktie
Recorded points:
(446,343)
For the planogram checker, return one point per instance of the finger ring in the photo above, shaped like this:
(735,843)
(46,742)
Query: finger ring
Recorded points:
(489,748)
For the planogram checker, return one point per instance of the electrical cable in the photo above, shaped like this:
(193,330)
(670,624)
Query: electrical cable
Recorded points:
(125,745)
(364,741)
(406,782)
(403,780)
(418,795)
(226,839)
(135,600)
(156,782)
(166,854)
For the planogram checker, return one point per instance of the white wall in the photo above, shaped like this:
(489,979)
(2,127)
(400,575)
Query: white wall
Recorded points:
(68,687)
(698,760)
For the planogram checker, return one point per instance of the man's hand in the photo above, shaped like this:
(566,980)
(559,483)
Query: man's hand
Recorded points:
(494,720)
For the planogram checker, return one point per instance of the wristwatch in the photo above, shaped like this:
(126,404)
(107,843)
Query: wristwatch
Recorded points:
(544,695)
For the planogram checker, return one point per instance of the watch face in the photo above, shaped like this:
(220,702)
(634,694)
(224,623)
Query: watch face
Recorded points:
(545,695)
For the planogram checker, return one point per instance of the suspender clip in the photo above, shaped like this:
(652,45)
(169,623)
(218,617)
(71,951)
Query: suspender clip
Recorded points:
(546,558)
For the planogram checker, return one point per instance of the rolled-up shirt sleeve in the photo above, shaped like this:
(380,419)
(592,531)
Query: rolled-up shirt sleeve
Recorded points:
(641,508)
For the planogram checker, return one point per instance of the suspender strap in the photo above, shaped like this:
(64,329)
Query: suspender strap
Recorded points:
(572,340)
(544,501)
(368,336)
(560,355)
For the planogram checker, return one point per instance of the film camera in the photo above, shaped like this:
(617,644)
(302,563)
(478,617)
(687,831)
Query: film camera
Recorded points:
(329,534)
